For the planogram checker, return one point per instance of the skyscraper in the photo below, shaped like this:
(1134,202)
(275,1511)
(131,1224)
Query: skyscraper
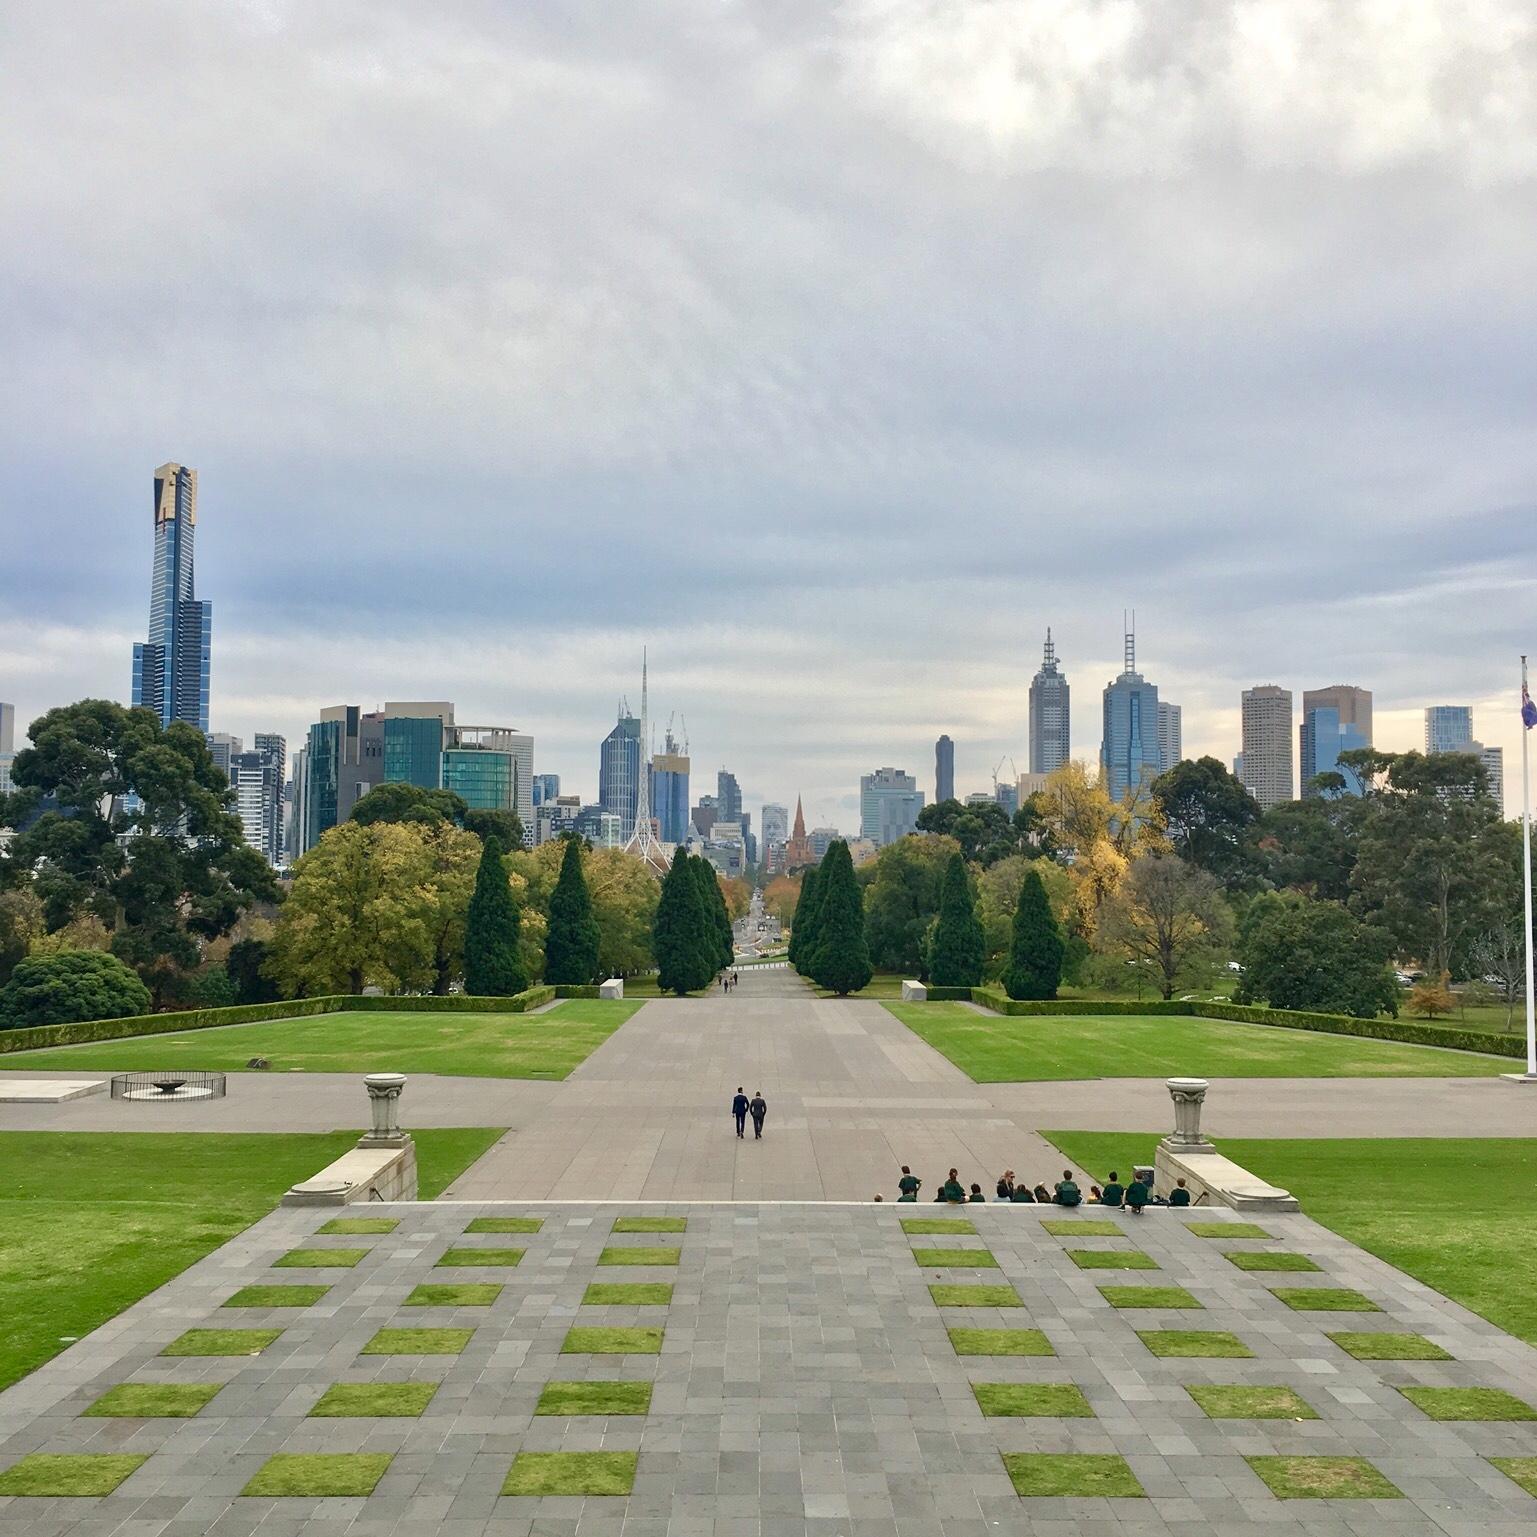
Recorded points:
(1448,728)
(170,668)
(257,780)
(224,749)
(546,788)
(1266,759)
(619,766)
(1050,715)
(776,834)
(343,761)
(273,749)
(944,771)
(889,803)
(1129,751)
(728,798)
(1334,720)
(1171,735)
(669,791)
(7,746)
(415,733)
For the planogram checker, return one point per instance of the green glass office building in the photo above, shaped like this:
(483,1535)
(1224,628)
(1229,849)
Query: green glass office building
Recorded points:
(484,778)
(413,746)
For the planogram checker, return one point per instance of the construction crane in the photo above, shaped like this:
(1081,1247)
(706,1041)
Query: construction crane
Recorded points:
(1013,773)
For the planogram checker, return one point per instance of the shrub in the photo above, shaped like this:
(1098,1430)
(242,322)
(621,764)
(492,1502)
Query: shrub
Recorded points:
(72,985)
(1429,998)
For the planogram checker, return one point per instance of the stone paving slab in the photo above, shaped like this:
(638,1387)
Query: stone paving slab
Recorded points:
(806,1384)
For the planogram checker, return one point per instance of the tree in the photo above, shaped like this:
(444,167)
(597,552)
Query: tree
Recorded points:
(244,965)
(450,858)
(955,959)
(902,900)
(713,902)
(1432,996)
(571,946)
(625,892)
(1037,951)
(491,965)
(1208,818)
(683,939)
(803,926)
(779,898)
(1498,957)
(505,826)
(74,984)
(1299,953)
(21,922)
(400,802)
(998,889)
(1310,845)
(128,821)
(985,831)
(840,960)
(1167,916)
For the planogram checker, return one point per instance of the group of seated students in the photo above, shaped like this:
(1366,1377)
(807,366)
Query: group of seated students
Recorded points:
(1133,1196)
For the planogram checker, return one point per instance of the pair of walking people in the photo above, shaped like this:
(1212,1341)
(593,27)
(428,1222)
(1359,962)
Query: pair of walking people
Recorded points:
(756,1107)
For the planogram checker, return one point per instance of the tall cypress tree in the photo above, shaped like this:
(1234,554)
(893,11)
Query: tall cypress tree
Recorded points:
(1037,949)
(571,948)
(682,939)
(956,957)
(840,958)
(713,901)
(803,924)
(491,965)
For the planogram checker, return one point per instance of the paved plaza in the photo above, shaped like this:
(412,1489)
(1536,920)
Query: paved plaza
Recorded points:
(802,1379)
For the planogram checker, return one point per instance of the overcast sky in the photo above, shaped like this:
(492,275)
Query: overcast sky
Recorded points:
(833,351)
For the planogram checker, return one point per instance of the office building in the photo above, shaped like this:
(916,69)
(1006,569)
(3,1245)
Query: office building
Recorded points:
(1129,751)
(705,815)
(171,667)
(601,828)
(256,777)
(775,821)
(1353,705)
(619,766)
(1171,746)
(1322,737)
(889,803)
(1050,715)
(1265,763)
(343,761)
(1449,728)
(223,749)
(1006,794)
(555,817)
(518,746)
(7,747)
(728,797)
(669,792)
(546,788)
(293,813)
(821,839)
(1027,785)
(944,771)
(415,733)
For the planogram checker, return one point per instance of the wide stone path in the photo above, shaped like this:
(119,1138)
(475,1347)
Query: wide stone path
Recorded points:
(804,1382)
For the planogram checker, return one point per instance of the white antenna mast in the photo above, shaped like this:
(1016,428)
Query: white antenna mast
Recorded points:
(643,841)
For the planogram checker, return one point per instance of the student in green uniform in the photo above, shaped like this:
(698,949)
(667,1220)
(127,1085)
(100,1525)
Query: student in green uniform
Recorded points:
(908,1184)
(1136,1196)
(1068,1193)
(976,1193)
(1022,1195)
(1113,1193)
(1179,1196)
(953,1190)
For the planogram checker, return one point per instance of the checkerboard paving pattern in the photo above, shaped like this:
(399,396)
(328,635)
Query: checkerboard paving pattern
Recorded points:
(806,1383)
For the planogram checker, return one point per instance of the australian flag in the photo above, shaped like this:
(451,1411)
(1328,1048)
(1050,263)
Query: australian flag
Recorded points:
(1528,709)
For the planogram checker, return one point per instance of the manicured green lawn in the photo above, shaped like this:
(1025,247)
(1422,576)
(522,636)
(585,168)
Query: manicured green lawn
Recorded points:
(547,1045)
(69,1474)
(1453,1212)
(1148,1297)
(221,1342)
(1469,1404)
(994,1049)
(1112,1259)
(1076,1475)
(481,1259)
(1251,1403)
(974,1296)
(276,1296)
(418,1342)
(578,1398)
(155,1400)
(374,1400)
(1323,1478)
(600,1294)
(571,1473)
(1000,1342)
(314,1475)
(650,1225)
(1375,1346)
(92,1221)
(502,1225)
(639,1254)
(956,1259)
(1034,1400)
(612,1342)
(936,1225)
(1194,1344)
(473,1294)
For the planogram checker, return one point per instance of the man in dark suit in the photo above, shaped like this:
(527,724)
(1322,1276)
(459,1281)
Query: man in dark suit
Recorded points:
(739,1110)
(759,1108)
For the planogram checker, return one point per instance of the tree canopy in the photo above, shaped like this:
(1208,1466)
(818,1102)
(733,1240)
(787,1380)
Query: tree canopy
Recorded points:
(1168,917)
(840,958)
(492,968)
(74,984)
(984,830)
(1208,817)
(1036,950)
(1298,953)
(902,900)
(803,926)
(955,953)
(684,938)
(400,802)
(573,938)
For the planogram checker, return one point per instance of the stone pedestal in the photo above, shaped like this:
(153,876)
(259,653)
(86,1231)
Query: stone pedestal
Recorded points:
(613,988)
(384,1101)
(1188,1094)
(914,992)
(1186,1153)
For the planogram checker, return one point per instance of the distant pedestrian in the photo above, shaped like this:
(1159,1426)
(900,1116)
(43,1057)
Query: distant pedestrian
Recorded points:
(759,1108)
(739,1110)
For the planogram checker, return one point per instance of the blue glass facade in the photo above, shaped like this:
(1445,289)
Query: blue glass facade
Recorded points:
(669,797)
(482,777)
(171,667)
(413,750)
(619,772)
(1323,739)
(1129,749)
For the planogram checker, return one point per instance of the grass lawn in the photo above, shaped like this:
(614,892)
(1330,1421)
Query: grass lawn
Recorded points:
(320,1259)
(360,1225)
(1038,1400)
(547,1045)
(503,1225)
(276,1296)
(974,1296)
(1263,1259)
(1194,1344)
(92,1221)
(937,1225)
(1148,1297)
(612,1342)
(318,1475)
(1112,1259)
(571,1473)
(481,1258)
(883,985)
(1248,1403)
(575,1398)
(995,1049)
(418,1342)
(69,1475)
(1469,1404)
(1520,1470)
(155,1400)
(1076,1475)
(1453,1212)
(1000,1342)
(650,1225)
(374,1400)
(1374,1346)
(639,1254)
(956,1259)
(640,1294)
(1323,1478)
(473,1294)
(221,1342)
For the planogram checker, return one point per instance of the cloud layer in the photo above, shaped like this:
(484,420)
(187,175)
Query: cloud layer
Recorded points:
(833,351)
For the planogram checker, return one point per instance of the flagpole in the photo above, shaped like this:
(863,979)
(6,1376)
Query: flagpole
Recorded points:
(1526,885)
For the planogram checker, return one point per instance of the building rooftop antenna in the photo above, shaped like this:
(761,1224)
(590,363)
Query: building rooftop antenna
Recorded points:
(643,841)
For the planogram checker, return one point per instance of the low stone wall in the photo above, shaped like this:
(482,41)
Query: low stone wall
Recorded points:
(364,1174)
(1220,1180)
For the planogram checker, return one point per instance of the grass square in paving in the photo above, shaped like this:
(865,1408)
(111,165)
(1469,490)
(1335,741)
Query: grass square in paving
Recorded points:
(1148,1297)
(1388,1347)
(320,1259)
(505,1225)
(1250,1403)
(575,1398)
(641,1254)
(1469,1404)
(650,1225)
(221,1342)
(374,1400)
(936,1225)
(470,1294)
(360,1225)
(501,1259)
(1112,1259)
(1000,1342)
(1083,1227)
(318,1475)
(1193,1344)
(956,1259)
(1519,1470)
(74,1475)
(1269,1259)
(276,1296)
(636,1294)
(418,1342)
(1017,1400)
(1324,1299)
(1323,1478)
(612,1342)
(1226,1230)
(534,1473)
(155,1400)
(1071,1475)
(947,1296)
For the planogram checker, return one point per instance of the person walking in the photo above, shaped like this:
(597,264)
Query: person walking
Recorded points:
(759,1108)
(739,1110)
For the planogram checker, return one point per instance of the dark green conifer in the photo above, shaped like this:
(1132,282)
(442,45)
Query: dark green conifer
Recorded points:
(958,950)
(803,925)
(840,958)
(683,940)
(713,900)
(1037,949)
(571,946)
(491,965)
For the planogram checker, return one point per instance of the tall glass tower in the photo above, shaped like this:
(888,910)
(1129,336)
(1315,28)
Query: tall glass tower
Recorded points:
(1050,715)
(619,769)
(1129,752)
(170,669)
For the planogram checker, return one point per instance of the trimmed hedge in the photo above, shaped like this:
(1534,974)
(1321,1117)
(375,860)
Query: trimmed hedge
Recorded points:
(86,1031)
(950,994)
(573,990)
(999,1002)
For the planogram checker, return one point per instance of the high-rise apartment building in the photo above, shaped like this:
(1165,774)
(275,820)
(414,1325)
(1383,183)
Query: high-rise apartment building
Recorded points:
(669,791)
(889,803)
(1448,728)
(944,771)
(273,750)
(546,788)
(1129,751)
(343,761)
(1334,720)
(556,816)
(619,767)
(1493,760)
(1050,714)
(171,667)
(1171,735)
(223,749)
(7,747)
(728,797)
(1265,763)
(257,779)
